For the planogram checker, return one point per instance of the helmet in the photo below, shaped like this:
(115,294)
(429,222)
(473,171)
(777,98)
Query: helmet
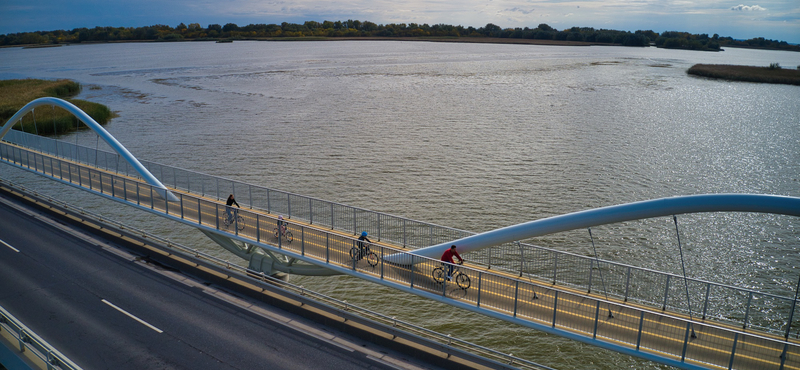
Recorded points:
(280,217)
(363,233)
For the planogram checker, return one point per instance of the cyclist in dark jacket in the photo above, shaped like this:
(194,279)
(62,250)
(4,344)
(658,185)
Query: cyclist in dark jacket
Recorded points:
(228,205)
(361,240)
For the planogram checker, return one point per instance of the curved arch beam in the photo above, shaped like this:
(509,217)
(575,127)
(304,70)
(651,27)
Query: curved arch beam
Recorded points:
(756,203)
(91,123)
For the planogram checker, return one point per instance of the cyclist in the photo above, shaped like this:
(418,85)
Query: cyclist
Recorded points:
(229,205)
(361,240)
(447,259)
(281,225)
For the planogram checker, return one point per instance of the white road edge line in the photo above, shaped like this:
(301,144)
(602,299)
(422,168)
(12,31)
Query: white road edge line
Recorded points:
(8,245)
(134,317)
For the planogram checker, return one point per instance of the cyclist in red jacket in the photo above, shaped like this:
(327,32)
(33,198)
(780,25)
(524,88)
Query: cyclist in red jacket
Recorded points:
(447,257)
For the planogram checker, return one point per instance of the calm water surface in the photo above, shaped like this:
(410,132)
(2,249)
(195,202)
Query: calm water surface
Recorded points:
(469,136)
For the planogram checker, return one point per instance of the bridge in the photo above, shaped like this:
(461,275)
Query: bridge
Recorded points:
(658,316)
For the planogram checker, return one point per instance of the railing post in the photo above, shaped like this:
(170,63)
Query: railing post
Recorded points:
(591,269)
(686,341)
(596,319)
(555,308)
(379,227)
(180,197)
(310,211)
(480,278)
(302,241)
(733,350)
(355,227)
(666,293)
(627,283)
(747,311)
(641,325)
(332,216)
(412,272)
(289,204)
(555,267)
(404,233)
(258,228)
(791,312)
(250,190)
(113,188)
(138,200)
(516,297)
(705,303)
(21,337)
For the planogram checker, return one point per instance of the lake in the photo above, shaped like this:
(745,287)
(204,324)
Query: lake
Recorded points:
(471,136)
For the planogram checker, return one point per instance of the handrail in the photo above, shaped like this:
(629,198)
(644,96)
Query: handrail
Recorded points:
(97,128)
(29,341)
(520,306)
(332,303)
(628,277)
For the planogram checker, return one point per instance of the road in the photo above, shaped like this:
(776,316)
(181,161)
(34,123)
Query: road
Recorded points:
(106,310)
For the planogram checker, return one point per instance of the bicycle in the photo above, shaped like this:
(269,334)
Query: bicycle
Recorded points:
(462,280)
(283,232)
(361,251)
(234,217)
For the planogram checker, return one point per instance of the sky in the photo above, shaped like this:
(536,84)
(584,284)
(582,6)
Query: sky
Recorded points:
(740,19)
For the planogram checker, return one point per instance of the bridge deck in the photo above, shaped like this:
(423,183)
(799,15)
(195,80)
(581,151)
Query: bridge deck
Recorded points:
(666,337)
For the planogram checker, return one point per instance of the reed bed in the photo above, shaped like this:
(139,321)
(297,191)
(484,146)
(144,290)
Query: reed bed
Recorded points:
(773,74)
(14,94)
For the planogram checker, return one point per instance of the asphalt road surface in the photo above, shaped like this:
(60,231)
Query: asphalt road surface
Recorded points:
(104,311)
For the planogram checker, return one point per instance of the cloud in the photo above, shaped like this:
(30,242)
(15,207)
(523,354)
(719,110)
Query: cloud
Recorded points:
(518,10)
(746,8)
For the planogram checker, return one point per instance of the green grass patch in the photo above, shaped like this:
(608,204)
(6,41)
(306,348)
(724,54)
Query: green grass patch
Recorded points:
(14,94)
(773,74)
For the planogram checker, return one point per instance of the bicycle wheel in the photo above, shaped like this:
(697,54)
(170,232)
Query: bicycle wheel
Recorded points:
(288,236)
(353,253)
(226,221)
(463,281)
(372,259)
(276,233)
(438,275)
(240,222)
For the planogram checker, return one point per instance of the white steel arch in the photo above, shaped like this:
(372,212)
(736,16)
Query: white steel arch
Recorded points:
(756,203)
(105,135)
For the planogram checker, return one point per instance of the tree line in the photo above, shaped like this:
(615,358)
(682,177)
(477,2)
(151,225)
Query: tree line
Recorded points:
(355,28)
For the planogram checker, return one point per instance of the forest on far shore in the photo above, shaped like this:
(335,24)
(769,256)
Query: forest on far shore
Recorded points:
(356,29)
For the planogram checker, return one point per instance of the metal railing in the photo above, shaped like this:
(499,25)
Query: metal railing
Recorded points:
(28,341)
(736,306)
(331,303)
(633,330)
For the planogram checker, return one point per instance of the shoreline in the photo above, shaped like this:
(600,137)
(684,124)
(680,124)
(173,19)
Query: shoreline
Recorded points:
(464,40)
